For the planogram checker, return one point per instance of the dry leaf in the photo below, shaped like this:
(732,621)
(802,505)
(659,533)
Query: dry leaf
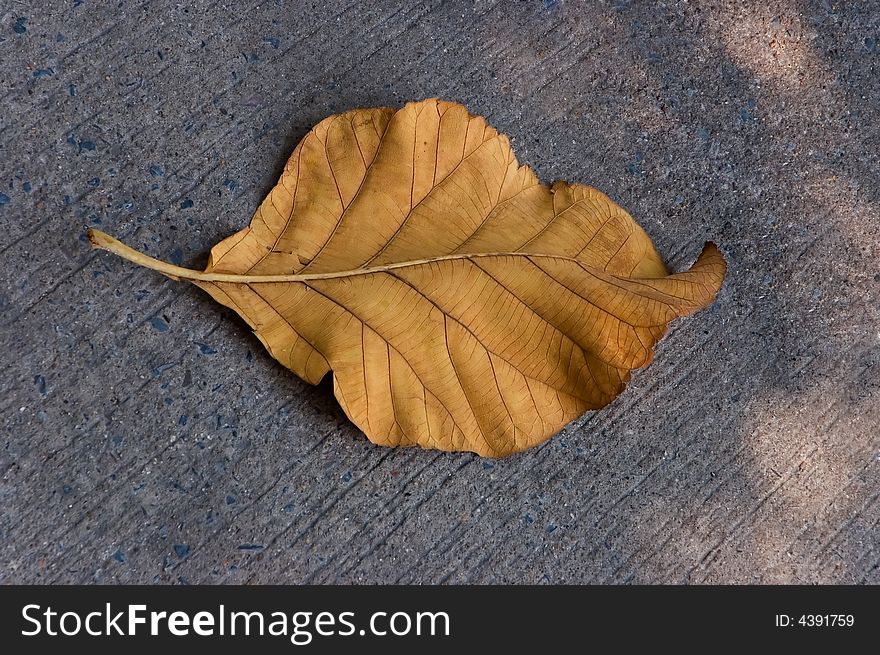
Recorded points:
(460,304)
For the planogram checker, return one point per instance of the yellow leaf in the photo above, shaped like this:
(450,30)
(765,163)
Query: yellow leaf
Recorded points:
(460,304)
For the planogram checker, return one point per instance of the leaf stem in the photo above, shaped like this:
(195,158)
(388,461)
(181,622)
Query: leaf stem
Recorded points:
(104,241)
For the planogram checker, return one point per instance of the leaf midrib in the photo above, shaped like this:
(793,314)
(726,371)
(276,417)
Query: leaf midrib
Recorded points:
(106,242)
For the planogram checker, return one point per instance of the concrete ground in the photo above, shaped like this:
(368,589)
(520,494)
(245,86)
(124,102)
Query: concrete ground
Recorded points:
(147,436)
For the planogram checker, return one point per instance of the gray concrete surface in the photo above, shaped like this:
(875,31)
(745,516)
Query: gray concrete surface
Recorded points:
(148,438)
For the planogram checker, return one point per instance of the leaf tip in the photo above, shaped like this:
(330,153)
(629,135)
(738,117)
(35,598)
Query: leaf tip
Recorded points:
(712,256)
(711,248)
(711,266)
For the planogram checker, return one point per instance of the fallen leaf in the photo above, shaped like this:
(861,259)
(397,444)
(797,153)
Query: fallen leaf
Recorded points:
(460,303)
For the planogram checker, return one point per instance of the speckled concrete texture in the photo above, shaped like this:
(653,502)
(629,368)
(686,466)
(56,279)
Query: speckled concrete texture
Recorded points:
(147,437)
